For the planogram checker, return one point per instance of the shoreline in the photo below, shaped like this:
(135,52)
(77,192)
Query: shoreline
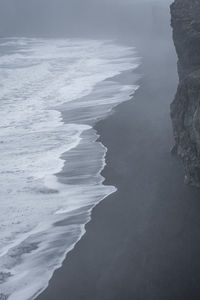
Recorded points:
(90,138)
(143,241)
(65,209)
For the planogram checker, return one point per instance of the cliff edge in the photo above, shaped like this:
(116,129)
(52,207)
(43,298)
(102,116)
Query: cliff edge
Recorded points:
(185,109)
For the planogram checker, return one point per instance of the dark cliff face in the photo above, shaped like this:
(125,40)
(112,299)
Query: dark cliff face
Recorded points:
(185,109)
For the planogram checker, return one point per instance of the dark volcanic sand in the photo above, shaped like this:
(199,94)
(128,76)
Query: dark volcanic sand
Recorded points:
(143,242)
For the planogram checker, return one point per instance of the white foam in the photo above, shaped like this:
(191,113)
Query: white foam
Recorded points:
(39,79)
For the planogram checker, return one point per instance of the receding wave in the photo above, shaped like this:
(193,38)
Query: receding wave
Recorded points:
(52,92)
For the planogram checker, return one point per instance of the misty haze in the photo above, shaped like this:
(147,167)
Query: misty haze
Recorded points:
(99,149)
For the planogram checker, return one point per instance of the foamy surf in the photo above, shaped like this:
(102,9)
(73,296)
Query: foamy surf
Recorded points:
(52,93)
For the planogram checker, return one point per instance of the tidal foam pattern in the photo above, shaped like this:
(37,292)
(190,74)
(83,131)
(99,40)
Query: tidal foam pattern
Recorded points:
(52,92)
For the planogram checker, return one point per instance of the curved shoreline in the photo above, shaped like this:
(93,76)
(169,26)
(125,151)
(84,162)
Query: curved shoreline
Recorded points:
(71,194)
(141,240)
(64,178)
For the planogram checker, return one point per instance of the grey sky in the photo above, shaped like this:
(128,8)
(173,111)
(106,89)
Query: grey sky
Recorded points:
(74,17)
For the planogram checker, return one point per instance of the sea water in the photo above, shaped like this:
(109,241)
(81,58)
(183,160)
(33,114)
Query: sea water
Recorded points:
(52,93)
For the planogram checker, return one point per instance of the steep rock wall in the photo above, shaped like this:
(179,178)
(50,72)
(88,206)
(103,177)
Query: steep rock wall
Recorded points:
(185,109)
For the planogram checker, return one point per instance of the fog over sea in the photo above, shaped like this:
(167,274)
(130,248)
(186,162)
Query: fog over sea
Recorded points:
(50,165)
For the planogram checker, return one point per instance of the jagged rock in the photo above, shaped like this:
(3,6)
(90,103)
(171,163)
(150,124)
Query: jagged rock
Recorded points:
(185,109)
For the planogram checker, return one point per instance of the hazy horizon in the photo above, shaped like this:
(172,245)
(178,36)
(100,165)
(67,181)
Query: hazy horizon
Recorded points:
(78,18)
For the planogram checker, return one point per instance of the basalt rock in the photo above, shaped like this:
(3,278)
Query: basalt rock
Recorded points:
(185,109)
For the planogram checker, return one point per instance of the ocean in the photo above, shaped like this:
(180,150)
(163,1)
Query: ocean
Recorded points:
(52,93)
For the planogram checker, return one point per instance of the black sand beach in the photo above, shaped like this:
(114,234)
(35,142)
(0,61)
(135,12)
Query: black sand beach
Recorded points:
(143,242)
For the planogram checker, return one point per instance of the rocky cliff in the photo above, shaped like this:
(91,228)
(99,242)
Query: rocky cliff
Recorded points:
(185,109)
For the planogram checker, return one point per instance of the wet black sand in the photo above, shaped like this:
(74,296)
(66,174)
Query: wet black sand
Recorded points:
(143,242)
